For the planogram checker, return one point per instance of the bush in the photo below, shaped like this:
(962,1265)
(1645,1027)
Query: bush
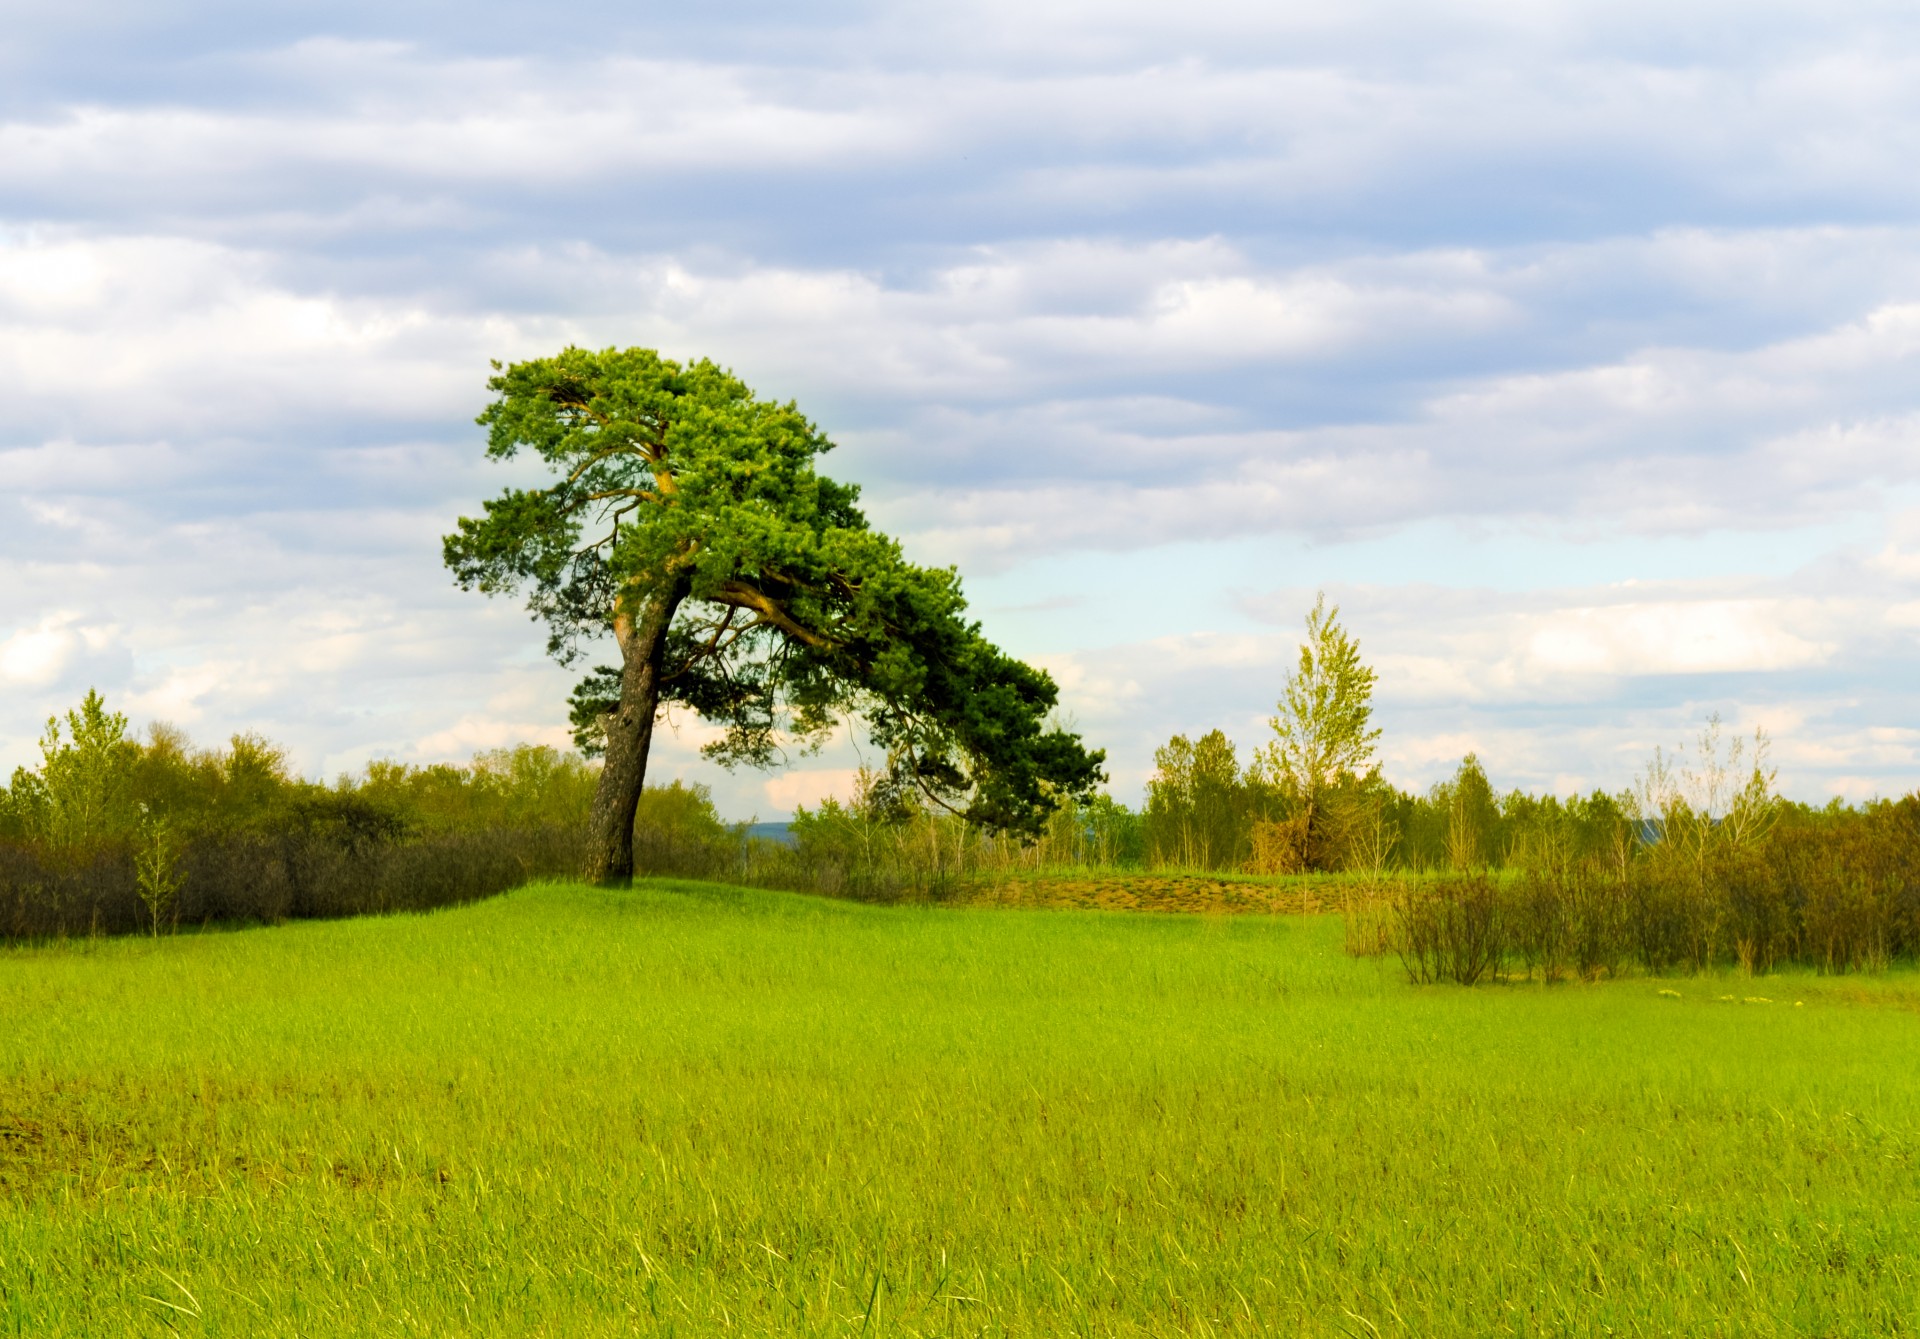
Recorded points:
(1450,929)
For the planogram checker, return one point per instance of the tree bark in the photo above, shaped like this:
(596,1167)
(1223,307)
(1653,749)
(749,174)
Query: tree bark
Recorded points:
(629,730)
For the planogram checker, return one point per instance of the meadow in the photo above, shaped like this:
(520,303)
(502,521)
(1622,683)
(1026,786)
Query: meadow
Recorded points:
(693,1109)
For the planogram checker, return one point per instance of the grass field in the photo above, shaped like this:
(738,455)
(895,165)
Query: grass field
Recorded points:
(694,1110)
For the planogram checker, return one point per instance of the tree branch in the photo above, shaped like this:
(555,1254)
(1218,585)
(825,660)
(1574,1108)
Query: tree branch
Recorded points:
(624,448)
(749,597)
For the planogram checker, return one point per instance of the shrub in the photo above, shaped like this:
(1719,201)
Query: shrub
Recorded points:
(1450,929)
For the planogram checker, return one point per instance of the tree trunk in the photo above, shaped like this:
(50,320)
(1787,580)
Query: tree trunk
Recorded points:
(1312,833)
(629,735)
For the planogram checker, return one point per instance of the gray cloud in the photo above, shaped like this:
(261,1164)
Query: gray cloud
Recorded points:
(1064,282)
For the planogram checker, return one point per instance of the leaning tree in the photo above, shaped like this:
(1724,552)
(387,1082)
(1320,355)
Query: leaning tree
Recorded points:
(683,518)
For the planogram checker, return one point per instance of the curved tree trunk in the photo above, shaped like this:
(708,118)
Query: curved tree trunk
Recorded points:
(629,735)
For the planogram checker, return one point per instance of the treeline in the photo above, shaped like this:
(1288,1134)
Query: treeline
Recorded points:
(1204,811)
(1699,865)
(112,834)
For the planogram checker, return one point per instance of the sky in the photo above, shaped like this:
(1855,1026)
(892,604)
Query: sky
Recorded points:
(1570,348)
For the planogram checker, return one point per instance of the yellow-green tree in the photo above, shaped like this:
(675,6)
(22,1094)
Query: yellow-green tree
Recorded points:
(1323,729)
(82,795)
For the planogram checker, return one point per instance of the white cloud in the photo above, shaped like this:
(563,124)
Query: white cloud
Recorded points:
(180,695)
(398,117)
(474,734)
(1676,637)
(180,338)
(37,656)
(809,786)
(1116,472)
(168,336)
(1100,280)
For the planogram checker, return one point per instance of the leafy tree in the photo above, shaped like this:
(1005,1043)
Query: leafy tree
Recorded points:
(23,807)
(1102,831)
(679,829)
(1356,825)
(1196,811)
(1169,811)
(1473,817)
(1323,731)
(685,519)
(84,791)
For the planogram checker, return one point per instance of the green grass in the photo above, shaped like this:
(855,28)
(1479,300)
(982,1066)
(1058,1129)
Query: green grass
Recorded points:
(696,1110)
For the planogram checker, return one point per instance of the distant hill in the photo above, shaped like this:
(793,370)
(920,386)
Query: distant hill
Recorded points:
(775,832)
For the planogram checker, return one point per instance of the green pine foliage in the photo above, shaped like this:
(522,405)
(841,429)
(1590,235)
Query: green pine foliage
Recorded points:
(685,520)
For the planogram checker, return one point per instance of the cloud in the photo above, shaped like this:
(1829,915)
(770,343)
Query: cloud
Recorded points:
(476,734)
(1013,360)
(891,131)
(1562,688)
(38,656)
(1692,637)
(1078,289)
(1668,440)
(809,786)
(152,337)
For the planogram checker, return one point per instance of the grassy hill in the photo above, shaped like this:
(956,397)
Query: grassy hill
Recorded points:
(697,1110)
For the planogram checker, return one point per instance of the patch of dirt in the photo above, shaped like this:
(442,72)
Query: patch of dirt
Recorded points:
(34,1151)
(1180,893)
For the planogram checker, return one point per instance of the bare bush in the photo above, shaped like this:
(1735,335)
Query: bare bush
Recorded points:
(1450,929)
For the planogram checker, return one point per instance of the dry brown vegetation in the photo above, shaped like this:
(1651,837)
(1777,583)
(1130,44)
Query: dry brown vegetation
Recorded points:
(1122,890)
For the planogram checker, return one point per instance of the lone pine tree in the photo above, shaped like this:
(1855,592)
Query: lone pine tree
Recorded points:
(685,519)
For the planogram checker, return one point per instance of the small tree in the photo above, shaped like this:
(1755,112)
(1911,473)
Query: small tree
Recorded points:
(1323,731)
(84,797)
(156,866)
(685,521)
(1473,816)
(1724,799)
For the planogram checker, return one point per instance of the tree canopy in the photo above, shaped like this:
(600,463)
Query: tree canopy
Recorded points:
(685,518)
